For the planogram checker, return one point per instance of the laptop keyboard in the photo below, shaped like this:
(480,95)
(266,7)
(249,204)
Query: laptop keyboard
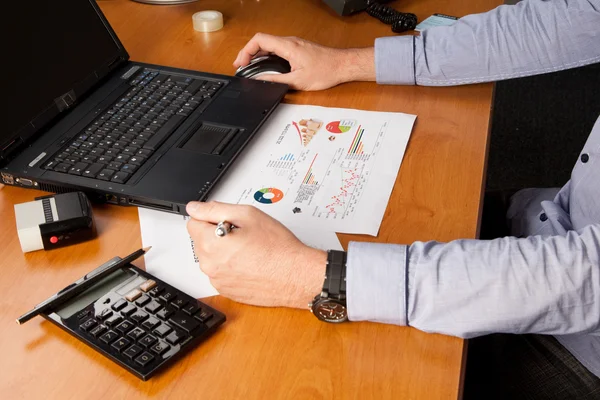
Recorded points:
(119,141)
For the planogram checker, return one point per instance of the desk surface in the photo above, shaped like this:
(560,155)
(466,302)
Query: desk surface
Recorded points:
(266,353)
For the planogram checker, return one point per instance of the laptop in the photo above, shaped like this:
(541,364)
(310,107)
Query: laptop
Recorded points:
(82,116)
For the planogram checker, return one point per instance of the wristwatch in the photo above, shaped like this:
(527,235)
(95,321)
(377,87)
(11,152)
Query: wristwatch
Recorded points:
(330,304)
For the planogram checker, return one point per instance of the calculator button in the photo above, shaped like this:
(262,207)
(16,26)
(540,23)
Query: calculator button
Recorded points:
(99,330)
(167,297)
(105,314)
(179,303)
(120,344)
(88,325)
(183,321)
(203,316)
(134,294)
(139,316)
(133,351)
(142,301)
(163,330)
(156,291)
(147,340)
(144,359)
(160,347)
(109,337)
(114,320)
(149,284)
(150,323)
(174,337)
(125,327)
(136,333)
(130,309)
(119,305)
(165,312)
(190,309)
(153,306)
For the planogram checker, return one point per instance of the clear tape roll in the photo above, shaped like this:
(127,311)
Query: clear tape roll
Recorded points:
(207,21)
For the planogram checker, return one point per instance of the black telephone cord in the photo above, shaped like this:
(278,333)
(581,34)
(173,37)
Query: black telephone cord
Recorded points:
(399,21)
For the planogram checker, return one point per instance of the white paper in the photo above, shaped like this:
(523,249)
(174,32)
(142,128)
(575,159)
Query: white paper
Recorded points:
(321,168)
(172,256)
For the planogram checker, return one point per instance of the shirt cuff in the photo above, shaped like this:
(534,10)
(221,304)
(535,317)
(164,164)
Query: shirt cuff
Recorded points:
(376,282)
(395,60)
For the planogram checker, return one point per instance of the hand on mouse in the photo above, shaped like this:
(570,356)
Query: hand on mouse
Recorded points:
(314,67)
(259,262)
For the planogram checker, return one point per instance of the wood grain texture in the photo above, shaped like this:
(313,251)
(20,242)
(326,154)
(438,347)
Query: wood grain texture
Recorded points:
(265,353)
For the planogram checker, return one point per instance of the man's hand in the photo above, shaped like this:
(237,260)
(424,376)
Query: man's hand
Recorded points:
(259,262)
(314,67)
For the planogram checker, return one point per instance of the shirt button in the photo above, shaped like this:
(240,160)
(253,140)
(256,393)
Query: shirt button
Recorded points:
(585,158)
(543,217)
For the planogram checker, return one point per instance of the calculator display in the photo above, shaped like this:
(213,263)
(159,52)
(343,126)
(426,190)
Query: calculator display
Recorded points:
(94,292)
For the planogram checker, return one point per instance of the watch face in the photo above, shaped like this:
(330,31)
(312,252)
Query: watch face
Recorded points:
(330,311)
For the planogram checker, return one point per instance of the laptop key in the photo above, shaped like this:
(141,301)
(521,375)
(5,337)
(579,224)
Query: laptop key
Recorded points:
(137,160)
(120,177)
(78,168)
(92,170)
(163,133)
(105,174)
(50,164)
(115,165)
(130,168)
(104,160)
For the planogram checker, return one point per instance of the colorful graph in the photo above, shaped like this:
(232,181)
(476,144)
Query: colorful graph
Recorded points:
(349,181)
(268,195)
(287,161)
(342,126)
(309,178)
(357,145)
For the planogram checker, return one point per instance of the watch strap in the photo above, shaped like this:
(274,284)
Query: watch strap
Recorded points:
(335,275)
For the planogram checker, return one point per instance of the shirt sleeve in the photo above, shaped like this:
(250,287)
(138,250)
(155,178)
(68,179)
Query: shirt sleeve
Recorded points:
(529,38)
(467,288)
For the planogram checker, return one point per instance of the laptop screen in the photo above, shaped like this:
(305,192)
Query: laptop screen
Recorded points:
(50,48)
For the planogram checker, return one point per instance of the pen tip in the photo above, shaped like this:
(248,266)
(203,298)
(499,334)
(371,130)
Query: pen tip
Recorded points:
(17,321)
(146,249)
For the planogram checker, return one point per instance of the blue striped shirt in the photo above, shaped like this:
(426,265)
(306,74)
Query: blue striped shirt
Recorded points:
(546,278)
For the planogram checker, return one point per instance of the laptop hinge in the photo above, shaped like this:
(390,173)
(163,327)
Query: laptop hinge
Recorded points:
(65,101)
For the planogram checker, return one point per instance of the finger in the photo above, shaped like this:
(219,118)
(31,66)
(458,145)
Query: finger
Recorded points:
(201,232)
(215,212)
(261,42)
(291,79)
(237,63)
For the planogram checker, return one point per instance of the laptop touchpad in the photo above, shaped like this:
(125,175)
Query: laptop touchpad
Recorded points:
(211,139)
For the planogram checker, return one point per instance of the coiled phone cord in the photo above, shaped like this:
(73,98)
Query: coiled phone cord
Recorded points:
(400,21)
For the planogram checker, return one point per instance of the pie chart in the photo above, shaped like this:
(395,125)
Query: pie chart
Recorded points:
(268,195)
(341,126)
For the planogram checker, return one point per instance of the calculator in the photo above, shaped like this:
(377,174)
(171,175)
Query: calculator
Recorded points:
(136,320)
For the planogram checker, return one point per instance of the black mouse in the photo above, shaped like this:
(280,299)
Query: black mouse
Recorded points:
(266,65)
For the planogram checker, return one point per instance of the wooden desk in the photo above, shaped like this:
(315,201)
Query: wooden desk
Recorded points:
(266,353)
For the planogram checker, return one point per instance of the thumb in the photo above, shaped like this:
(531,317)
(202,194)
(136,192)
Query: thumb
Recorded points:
(215,212)
(288,79)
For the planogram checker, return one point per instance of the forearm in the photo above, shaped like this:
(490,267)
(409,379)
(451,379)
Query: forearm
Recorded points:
(468,288)
(532,37)
(357,64)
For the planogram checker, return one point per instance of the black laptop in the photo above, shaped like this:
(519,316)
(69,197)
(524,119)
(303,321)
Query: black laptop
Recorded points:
(78,115)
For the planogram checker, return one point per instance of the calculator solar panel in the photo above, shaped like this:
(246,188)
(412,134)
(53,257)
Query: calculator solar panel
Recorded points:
(137,320)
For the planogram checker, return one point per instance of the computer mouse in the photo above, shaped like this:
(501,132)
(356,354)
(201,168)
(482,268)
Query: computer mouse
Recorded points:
(265,65)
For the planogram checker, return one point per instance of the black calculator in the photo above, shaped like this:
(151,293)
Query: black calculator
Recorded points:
(137,320)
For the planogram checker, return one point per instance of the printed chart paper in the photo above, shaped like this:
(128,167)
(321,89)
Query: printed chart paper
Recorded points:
(321,168)
(172,256)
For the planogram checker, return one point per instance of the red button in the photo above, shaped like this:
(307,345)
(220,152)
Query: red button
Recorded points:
(53,239)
